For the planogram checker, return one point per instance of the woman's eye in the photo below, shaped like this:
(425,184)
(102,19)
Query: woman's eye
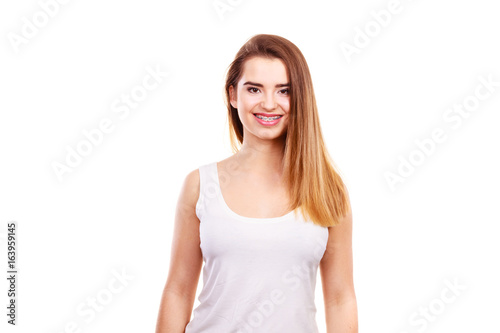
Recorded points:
(256,90)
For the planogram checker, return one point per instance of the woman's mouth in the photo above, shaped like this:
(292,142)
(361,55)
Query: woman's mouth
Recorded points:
(268,120)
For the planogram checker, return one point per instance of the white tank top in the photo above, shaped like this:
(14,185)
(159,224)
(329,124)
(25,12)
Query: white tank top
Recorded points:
(259,274)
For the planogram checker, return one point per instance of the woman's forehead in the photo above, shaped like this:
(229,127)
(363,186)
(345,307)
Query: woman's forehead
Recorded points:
(264,71)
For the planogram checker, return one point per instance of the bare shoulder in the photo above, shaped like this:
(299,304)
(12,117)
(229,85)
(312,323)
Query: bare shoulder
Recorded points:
(190,190)
(192,181)
(230,165)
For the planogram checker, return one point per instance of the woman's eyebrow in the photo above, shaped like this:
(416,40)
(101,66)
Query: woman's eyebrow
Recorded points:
(260,85)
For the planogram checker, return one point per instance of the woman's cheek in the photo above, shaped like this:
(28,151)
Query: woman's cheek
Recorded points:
(285,105)
(247,101)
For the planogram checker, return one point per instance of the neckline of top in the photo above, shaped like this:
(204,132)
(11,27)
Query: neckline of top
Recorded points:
(241,217)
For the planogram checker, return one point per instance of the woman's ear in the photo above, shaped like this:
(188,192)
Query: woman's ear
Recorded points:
(232,97)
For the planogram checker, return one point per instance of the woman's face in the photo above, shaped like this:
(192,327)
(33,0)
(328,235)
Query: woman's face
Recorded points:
(262,94)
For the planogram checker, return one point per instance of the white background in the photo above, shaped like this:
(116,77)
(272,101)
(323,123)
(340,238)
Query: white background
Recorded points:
(115,209)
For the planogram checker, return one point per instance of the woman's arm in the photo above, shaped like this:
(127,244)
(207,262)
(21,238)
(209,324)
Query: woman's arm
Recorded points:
(336,269)
(185,261)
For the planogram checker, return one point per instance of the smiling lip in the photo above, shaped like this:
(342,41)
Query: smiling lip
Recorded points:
(268,123)
(268,114)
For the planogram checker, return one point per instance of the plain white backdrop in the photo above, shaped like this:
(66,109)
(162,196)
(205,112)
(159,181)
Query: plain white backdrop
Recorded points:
(382,82)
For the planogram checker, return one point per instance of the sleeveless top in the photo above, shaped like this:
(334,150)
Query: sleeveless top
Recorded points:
(259,274)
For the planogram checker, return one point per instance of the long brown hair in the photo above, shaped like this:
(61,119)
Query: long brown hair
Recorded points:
(314,185)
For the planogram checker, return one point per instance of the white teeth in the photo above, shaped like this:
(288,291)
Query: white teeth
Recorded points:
(267,118)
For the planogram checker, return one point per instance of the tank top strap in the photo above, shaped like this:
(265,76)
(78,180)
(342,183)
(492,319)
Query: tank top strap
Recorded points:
(209,187)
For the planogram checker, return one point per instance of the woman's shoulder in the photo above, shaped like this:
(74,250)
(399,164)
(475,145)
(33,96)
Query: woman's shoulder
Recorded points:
(230,164)
(190,188)
(192,182)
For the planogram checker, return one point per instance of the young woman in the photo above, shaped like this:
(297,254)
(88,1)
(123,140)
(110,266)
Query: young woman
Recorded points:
(264,219)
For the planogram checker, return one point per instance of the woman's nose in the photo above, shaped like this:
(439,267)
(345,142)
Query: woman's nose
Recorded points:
(269,103)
